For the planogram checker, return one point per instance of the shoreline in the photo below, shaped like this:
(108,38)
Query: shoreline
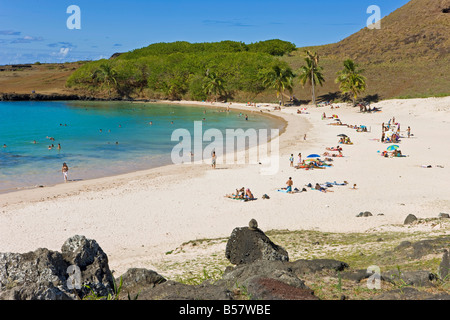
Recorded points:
(136,218)
(236,106)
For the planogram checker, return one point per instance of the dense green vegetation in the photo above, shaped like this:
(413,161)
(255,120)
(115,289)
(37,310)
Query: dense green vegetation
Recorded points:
(181,70)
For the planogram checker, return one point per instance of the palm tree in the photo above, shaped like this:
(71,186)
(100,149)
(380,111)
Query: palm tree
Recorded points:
(214,85)
(107,75)
(311,73)
(350,79)
(280,79)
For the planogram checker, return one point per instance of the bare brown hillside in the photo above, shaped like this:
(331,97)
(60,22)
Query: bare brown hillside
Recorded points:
(408,57)
(418,30)
(41,78)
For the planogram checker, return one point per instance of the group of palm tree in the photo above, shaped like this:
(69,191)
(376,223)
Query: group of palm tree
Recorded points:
(350,79)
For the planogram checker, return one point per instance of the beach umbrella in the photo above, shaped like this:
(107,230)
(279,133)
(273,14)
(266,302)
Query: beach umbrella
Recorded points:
(313,156)
(392,147)
(342,135)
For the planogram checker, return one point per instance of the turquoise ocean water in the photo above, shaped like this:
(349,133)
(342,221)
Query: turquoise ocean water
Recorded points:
(98,139)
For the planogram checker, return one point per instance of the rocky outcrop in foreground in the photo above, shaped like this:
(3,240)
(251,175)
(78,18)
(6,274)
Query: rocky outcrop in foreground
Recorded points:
(261,271)
(50,275)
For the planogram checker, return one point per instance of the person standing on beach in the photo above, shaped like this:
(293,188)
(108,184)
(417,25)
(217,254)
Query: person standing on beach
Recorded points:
(213,160)
(408,131)
(65,170)
(291,159)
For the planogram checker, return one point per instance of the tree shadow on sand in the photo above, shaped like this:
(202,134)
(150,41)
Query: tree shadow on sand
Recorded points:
(330,96)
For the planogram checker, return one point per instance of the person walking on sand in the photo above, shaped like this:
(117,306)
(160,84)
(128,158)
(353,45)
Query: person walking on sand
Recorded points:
(65,170)
(291,159)
(408,131)
(213,160)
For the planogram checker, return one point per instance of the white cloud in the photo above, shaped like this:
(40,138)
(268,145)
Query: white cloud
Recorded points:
(64,51)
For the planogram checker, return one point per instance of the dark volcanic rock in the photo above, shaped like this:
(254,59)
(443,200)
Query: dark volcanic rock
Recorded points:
(44,274)
(409,293)
(410,219)
(141,276)
(171,290)
(302,266)
(260,288)
(411,278)
(444,266)
(38,275)
(277,270)
(247,245)
(136,280)
(93,262)
(421,248)
(38,97)
(365,214)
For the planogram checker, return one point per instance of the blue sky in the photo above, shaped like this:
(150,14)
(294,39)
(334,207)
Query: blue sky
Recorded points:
(36,30)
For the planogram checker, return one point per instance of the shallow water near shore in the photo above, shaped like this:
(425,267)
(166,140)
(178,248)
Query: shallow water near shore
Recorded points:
(99,139)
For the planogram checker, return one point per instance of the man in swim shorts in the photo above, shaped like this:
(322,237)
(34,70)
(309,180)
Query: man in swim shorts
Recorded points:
(289,185)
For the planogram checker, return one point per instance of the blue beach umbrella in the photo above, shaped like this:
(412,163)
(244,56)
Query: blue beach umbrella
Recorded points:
(392,147)
(313,156)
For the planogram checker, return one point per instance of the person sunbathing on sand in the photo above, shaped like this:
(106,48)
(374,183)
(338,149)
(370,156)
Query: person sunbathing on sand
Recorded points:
(338,148)
(240,193)
(321,189)
(249,195)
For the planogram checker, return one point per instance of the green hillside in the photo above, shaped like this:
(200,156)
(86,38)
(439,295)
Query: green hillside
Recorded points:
(182,70)
(408,57)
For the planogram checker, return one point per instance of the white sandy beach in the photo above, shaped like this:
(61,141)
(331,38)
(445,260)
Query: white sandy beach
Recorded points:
(137,217)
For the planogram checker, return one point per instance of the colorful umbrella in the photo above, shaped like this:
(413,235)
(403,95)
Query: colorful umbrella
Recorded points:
(392,147)
(314,156)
